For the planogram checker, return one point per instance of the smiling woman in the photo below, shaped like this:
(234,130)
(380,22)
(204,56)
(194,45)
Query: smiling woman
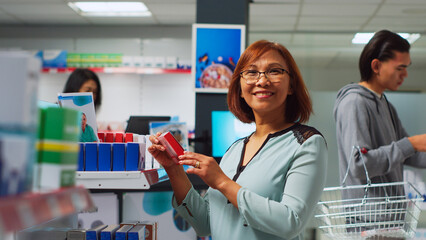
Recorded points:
(255,192)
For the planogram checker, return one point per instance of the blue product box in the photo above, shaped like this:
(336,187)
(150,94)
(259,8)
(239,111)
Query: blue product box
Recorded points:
(80,166)
(91,156)
(121,233)
(118,156)
(104,159)
(132,156)
(38,54)
(54,58)
(108,233)
(94,233)
(136,233)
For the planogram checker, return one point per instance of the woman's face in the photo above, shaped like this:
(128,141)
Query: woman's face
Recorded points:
(90,86)
(265,97)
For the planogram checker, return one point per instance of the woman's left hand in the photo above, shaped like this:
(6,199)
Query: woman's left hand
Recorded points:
(205,167)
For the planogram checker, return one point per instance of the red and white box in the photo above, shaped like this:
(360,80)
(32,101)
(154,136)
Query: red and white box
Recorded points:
(173,148)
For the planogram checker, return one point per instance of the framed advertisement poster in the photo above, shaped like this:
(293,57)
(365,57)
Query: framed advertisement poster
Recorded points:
(216,49)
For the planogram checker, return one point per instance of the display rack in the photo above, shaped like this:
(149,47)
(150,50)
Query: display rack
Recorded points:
(134,70)
(30,209)
(119,179)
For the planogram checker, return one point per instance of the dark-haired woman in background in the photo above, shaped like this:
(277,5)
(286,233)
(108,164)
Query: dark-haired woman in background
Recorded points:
(85,80)
(268,183)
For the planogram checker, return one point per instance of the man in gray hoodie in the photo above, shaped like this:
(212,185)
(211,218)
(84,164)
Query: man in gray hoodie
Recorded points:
(365,119)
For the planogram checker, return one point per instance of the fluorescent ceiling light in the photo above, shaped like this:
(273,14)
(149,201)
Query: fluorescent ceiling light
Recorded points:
(363,38)
(110,9)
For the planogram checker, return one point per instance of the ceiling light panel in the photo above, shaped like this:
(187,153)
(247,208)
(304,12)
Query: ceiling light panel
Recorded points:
(363,38)
(110,9)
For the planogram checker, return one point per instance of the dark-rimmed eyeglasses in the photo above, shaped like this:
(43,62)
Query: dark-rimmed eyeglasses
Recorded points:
(274,75)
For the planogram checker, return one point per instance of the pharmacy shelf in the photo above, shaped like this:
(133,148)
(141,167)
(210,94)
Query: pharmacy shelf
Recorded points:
(30,209)
(134,70)
(120,179)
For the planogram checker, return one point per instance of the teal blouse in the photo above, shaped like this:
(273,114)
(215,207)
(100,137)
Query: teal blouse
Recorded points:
(88,135)
(281,186)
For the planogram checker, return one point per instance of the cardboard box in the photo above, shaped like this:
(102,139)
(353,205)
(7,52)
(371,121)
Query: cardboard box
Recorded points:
(91,157)
(171,62)
(138,61)
(80,164)
(108,233)
(150,230)
(127,61)
(87,59)
(136,233)
(73,60)
(118,156)
(95,233)
(54,58)
(132,156)
(160,62)
(121,233)
(16,163)
(19,80)
(105,156)
(62,124)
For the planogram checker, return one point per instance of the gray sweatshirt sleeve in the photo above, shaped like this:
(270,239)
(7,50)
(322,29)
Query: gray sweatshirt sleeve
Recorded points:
(418,159)
(355,127)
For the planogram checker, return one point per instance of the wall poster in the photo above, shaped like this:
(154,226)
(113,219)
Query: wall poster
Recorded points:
(216,49)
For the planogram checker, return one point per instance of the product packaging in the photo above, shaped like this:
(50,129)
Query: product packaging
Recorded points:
(118,156)
(173,148)
(105,155)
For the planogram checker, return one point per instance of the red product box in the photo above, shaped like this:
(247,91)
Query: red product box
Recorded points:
(119,137)
(109,137)
(150,230)
(101,136)
(173,148)
(128,137)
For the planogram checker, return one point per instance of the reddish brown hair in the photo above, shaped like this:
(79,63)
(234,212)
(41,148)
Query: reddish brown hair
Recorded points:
(298,107)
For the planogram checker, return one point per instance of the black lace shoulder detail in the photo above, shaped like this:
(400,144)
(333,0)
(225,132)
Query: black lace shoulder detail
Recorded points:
(304,132)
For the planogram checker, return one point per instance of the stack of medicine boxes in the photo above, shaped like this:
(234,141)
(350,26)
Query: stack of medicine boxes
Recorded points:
(57,147)
(18,120)
(114,152)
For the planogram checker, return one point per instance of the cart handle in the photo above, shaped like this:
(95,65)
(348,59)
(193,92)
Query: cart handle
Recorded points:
(356,148)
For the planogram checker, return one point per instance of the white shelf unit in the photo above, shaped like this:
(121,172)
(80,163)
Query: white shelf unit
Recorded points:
(118,180)
(30,209)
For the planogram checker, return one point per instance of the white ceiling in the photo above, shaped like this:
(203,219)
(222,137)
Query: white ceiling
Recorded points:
(318,32)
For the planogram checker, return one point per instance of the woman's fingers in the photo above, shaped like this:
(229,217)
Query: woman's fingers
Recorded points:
(193,163)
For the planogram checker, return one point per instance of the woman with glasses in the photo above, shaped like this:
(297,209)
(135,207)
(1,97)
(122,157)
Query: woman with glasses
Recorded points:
(268,183)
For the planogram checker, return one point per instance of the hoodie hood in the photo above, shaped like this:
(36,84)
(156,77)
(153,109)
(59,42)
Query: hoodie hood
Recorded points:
(354,88)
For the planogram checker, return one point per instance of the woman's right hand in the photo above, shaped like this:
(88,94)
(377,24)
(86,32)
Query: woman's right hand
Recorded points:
(158,151)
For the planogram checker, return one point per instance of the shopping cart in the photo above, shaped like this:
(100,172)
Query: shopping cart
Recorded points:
(380,210)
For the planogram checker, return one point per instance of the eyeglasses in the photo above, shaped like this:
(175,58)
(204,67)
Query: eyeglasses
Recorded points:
(274,75)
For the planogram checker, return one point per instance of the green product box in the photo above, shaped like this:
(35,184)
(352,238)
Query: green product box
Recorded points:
(115,59)
(41,124)
(54,176)
(61,124)
(57,152)
(88,59)
(73,60)
(57,163)
(101,60)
